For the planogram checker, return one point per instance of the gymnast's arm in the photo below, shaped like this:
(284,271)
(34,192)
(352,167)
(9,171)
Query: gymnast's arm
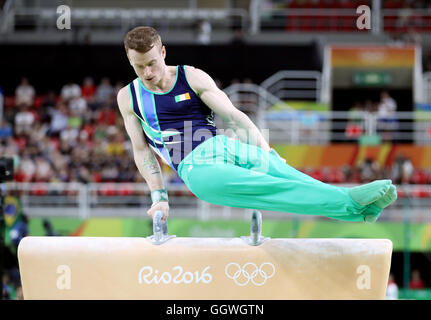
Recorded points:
(145,159)
(218,101)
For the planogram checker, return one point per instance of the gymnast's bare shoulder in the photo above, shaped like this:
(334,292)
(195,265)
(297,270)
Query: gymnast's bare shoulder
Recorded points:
(124,101)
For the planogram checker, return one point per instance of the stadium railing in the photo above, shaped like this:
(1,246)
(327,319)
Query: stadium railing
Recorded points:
(133,200)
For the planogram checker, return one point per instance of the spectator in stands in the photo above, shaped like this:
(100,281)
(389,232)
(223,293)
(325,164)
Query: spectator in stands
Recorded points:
(24,121)
(106,115)
(369,169)
(26,168)
(59,119)
(6,130)
(416,281)
(78,106)
(47,147)
(387,106)
(75,120)
(39,130)
(69,136)
(43,170)
(105,92)
(24,94)
(82,174)
(387,115)
(58,160)
(355,113)
(109,172)
(370,106)
(50,100)
(88,128)
(8,147)
(100,139)
(115,145)
(402,169)
(392,289)
(88,89)
(347,172)
(204,32)
(70,90)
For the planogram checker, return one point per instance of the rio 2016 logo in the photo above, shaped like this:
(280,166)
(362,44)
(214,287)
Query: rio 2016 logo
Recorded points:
(150,276)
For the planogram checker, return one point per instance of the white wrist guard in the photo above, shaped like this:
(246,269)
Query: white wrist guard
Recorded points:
(159,195)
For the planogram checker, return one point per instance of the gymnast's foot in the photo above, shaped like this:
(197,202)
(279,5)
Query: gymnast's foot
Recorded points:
(372,213)
(370,192)
(389,197)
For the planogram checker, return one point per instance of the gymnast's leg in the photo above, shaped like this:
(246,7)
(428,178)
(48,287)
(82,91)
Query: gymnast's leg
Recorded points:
(368,194)
(229,172)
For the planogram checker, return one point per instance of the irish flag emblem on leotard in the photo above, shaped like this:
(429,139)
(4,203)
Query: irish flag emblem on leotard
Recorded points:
(182,97)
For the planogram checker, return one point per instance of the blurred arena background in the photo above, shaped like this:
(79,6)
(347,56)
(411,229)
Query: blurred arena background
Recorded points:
(342,104)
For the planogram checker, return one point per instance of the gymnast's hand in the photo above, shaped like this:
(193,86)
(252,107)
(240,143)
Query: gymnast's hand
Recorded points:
(159,206)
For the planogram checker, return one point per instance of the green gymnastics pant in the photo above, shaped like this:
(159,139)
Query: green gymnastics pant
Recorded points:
(228,172)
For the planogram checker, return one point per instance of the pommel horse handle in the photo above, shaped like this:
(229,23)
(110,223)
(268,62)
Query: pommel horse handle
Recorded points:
(255,237)
(256,226)
(160,229)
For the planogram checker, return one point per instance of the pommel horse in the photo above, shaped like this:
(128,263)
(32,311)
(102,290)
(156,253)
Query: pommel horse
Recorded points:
(167,267)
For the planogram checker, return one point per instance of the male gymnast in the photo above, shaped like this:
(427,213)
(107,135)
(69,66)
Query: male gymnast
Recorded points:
(169,111)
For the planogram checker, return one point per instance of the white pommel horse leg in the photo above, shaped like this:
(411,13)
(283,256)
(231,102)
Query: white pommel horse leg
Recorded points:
(203,268)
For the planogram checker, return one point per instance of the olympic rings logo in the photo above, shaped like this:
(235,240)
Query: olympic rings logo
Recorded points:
(250,272)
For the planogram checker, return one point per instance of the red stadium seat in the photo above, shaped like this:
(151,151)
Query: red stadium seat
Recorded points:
(318,174)
(401,193)
(420,193)
(71,193)
(9,101)
(38,100)
(108,189)
(354,130)
(336,175)
(125,189)
(97,177)
(419,177)
(39,190)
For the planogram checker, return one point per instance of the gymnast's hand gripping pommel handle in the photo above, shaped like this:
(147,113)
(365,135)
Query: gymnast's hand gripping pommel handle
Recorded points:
(160,229)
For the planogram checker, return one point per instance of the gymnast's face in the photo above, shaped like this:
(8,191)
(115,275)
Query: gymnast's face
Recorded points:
(149,66)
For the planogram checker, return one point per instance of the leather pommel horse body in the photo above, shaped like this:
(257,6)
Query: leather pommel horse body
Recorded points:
(203,268)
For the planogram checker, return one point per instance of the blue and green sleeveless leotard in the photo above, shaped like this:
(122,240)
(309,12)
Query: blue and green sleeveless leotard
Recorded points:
(175,122)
